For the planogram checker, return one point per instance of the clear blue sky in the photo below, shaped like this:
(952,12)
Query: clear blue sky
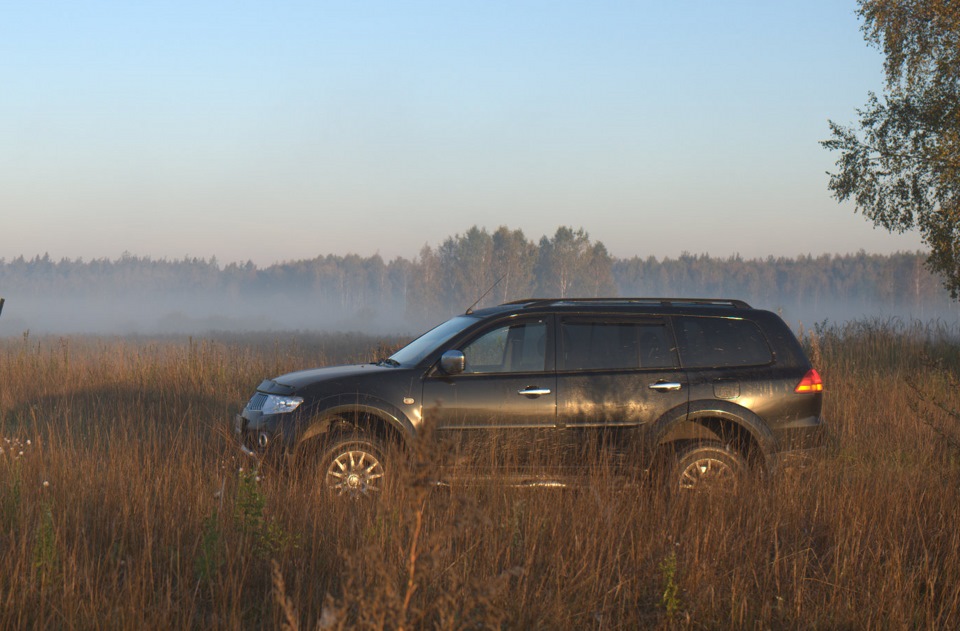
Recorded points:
(283,130)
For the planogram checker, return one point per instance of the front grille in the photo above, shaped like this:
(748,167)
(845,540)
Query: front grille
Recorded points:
(256,403)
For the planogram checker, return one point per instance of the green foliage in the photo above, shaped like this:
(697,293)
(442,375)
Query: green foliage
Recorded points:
(10,492)
(248,509)
(670,599)
(46,556)
(901,164)
(266,535)
(212,552)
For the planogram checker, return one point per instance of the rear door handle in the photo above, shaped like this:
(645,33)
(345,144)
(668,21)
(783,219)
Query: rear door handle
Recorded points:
(665,386)
(533,391)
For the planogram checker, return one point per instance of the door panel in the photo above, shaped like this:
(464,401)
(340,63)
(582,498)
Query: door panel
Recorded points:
(502,409)
(614,377)
(595,399)
(467,402)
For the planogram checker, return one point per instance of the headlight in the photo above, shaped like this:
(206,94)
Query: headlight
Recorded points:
(280,405)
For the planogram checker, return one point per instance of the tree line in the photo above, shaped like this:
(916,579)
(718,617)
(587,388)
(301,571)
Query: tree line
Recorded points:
(369,293)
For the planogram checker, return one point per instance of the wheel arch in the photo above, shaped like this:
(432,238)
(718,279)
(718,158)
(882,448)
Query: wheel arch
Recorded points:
(366,414)
(718,421)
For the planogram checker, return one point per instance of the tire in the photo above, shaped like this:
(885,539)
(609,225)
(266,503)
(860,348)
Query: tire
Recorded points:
(353,467)
(707,467)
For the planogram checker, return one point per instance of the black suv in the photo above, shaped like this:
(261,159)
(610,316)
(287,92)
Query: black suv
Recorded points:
(699,390)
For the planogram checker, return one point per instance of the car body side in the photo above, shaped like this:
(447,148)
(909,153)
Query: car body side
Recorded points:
(753,408)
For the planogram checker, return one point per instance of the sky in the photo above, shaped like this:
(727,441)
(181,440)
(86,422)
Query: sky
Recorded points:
(274,131)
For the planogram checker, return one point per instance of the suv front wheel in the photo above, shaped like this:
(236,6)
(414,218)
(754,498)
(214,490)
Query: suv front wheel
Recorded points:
(353,466)
(709,467)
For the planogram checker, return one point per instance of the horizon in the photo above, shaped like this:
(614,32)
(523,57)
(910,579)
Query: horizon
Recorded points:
(215,260)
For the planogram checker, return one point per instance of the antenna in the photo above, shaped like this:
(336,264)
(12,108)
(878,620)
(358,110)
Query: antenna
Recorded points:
(470,308)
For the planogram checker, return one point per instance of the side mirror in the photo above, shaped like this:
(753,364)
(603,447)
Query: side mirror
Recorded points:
(452,362)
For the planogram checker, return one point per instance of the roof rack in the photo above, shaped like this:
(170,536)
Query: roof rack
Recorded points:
(664,302)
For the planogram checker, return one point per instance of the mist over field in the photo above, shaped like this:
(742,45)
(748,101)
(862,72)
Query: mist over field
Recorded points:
(138,295)
(194,313)
(107,314)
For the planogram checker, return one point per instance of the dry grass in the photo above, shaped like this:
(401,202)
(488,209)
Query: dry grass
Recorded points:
(128,509)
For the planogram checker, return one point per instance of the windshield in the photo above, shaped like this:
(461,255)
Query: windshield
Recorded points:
(414,352)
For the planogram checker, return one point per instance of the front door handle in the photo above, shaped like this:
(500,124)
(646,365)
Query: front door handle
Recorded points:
(665,386)
(533,391)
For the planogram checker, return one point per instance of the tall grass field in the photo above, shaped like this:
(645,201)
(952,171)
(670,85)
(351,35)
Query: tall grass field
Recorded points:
(124,504)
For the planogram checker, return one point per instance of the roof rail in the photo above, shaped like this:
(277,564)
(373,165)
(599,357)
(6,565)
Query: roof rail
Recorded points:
(665,302)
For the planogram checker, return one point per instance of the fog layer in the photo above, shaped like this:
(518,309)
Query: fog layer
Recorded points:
(406,296)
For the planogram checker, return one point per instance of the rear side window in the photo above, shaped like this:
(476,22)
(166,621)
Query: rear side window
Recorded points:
(714,342)
(610,345)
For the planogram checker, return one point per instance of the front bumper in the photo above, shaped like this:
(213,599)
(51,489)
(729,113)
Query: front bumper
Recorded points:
(246,441)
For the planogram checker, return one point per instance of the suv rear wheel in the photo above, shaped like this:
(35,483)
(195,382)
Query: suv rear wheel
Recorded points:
(707,467)
(353,466)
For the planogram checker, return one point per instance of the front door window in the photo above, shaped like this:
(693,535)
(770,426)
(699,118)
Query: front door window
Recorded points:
(508,349)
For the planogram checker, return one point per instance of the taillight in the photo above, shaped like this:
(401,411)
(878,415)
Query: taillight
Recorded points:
(811,382)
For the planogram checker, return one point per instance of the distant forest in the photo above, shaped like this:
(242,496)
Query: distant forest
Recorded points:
(143,295)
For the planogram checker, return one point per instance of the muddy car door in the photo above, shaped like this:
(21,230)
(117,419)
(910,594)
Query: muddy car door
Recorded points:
(616,375)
